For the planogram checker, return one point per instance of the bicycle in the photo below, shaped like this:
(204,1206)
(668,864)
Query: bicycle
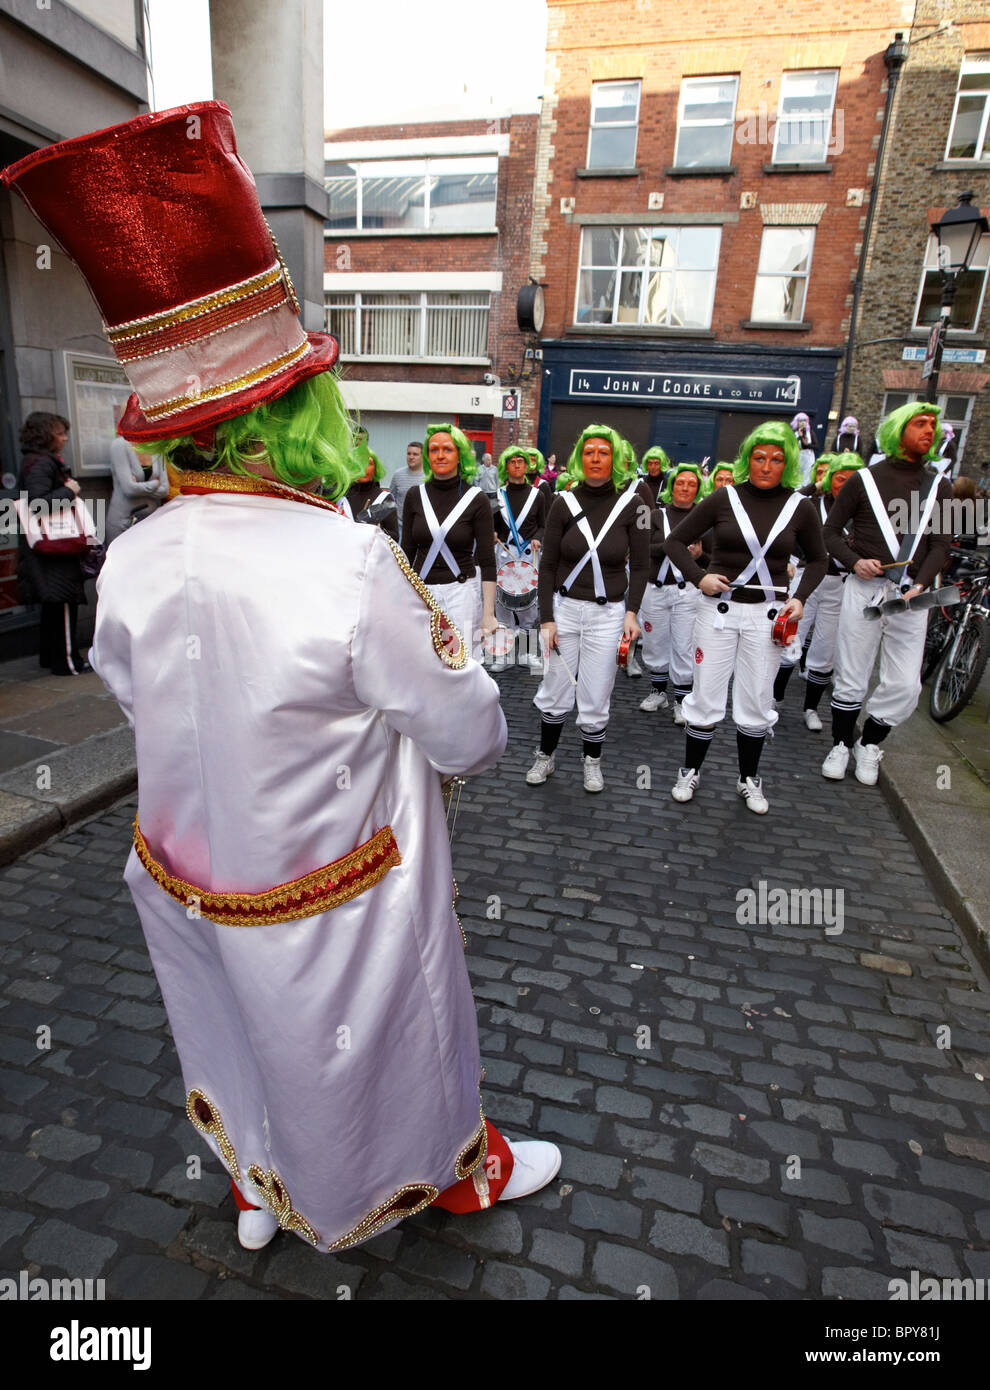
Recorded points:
(965,655)
(963,567)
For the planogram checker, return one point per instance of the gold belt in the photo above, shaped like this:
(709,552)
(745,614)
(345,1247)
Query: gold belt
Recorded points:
(315,892)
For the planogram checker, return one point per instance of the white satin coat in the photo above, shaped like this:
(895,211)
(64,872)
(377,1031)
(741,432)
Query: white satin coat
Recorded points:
(287,701)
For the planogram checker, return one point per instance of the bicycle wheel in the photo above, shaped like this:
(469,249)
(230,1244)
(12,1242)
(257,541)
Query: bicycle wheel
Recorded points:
(960,670)
(941,625)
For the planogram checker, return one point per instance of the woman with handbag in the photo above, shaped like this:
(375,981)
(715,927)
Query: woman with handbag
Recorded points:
(55,581)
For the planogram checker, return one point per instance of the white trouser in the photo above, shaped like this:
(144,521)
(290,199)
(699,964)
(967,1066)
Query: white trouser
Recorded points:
(744,650)
(667,618)
(825,605)
(901,640)
(588,636)
(462,605)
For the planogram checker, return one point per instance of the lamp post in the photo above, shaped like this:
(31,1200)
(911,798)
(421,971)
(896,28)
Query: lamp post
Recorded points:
(958,232)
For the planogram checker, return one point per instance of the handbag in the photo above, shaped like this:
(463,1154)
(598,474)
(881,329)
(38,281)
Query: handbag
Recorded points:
(55,528)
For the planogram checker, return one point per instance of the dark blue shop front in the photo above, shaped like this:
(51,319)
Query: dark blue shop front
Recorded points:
(695,402)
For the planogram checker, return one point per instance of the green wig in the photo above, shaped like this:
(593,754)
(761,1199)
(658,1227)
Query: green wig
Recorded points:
(515,452)
(302,435)
(710,480)
(467,465)
(657,453)
(839,463)
(359,461)
(621,453)
(562,482)
(667,495)
(630,458)
(825,459)
(783,437)
(891,429)
(537,463)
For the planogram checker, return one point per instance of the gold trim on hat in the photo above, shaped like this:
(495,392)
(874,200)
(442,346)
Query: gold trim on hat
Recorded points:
(227,388)
(231,294)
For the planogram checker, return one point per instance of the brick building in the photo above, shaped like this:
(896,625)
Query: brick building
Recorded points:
(703,176)
(938,146)
(427,246)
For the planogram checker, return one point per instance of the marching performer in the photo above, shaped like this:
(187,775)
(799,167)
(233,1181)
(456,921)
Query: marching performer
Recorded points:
(670,603)
(366,500)
(755,525)
(290,866)
(590,533)
(895,510)
(824,605)
(801,426)
(448,535)
(519,523)
(848,440)
(657,467)
(720,476)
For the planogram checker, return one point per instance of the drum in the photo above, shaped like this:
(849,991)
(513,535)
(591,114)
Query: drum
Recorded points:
(516,584)
(498,649)
(785,627)
(622,655)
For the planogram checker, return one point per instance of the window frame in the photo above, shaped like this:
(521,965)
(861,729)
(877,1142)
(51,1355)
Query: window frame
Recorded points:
(364,168)
(614,125)
(932,246)
(984,138)
(782,119)
(777,275)
(708,121)
(422,309)
(619,269)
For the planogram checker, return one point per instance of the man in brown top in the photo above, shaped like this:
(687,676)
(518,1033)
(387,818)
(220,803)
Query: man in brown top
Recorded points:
(895,510)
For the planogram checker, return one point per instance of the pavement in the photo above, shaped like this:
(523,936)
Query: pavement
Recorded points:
(759,1094)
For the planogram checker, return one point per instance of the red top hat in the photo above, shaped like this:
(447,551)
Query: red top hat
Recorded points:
(162,217)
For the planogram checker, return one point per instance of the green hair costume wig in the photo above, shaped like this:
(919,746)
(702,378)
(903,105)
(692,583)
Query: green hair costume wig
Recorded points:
(467,466)
(631,464)
(302,435)
(839,463)
(515,452)
(822,459)
(357,460)
(537,463)
(657,453)
(621,453)
(710,480)
(783,437)
(562,482)
(667,495)
(891,428)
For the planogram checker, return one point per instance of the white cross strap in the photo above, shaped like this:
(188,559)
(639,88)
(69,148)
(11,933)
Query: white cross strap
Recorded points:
(758,565)
(346,508)
(903,549)
(574,507)
(668,566)
(440,532)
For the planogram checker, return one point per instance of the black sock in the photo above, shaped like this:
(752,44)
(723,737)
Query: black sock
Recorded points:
(783,675)
(874,731)
(844,725)
(549,736)
(681,692)
(591,747)
(750,747)
(815,688)
(660,684)
(697,743)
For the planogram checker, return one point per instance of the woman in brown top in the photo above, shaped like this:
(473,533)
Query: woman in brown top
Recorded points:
(755,524)
(591,531)
(449,537)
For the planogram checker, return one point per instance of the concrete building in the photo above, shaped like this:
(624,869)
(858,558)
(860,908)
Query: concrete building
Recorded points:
(937,147)
(65,69)
(427,246)
(702,182)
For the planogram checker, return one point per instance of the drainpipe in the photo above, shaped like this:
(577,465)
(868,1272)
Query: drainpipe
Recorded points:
(895,57)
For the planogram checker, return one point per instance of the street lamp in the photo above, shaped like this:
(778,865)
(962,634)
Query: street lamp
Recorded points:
(958,233)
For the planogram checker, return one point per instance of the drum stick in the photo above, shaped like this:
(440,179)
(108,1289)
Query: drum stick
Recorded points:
(563,663)
(777,588)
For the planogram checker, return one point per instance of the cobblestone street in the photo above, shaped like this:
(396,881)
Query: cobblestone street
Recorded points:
(772,1111)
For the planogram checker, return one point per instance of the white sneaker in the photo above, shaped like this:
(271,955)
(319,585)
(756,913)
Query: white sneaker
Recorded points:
(834,766)
(541,769)
(752,792)
(686,784)
(256,1228)
(813,720)
(868,757)
(593,779)
(535,663)
(678,715)
(632,666)
(534,1163)
(656,699)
